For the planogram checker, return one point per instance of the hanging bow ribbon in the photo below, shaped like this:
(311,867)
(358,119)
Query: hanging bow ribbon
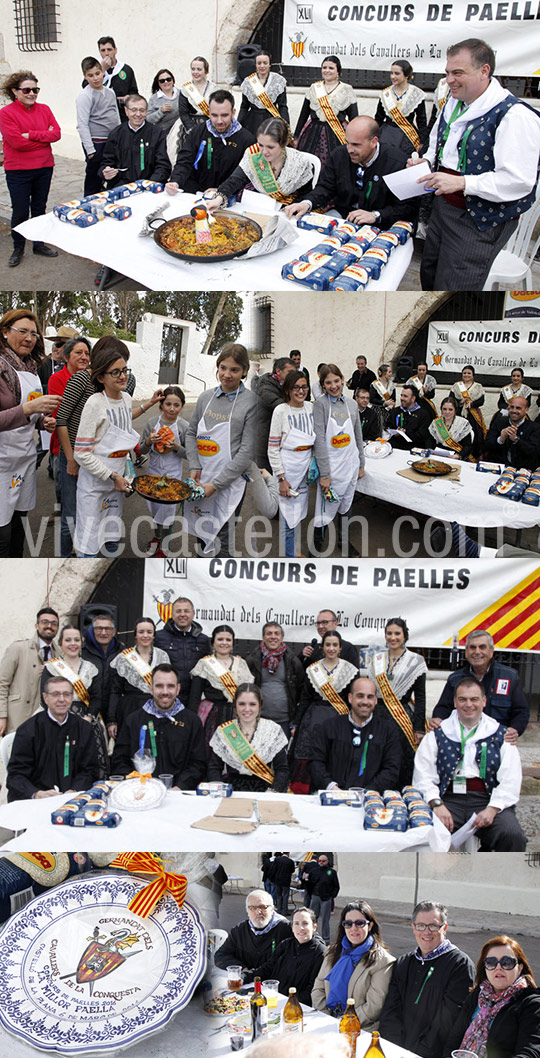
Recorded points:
(143,776)
(148,863)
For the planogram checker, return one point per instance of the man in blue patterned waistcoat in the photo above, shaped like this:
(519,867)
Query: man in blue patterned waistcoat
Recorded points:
(484,150)
(466,767)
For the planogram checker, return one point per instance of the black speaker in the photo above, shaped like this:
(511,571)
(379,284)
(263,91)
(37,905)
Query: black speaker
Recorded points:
(404,368)
(245,61)
(90,610)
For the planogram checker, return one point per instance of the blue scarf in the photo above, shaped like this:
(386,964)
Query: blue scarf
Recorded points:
(443,947)
(274,921)
(341,972)
(150,707)
(223,136)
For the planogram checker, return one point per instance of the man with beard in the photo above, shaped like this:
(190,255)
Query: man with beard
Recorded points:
(254,940)
(21,668)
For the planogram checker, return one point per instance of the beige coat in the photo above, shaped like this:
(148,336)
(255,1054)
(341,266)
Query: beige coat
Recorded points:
(368,986)
(20,671)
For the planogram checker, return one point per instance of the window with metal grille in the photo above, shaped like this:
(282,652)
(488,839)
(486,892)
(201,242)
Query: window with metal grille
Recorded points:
(37,25)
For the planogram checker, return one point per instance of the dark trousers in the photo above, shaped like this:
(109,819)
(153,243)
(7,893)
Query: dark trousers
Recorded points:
(28,190)
(92,182)
(12,536)
(281,899)
(457,256)
(504,834)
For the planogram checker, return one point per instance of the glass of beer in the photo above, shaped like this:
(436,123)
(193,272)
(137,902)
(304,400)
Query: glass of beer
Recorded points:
(270,990)
(235,979)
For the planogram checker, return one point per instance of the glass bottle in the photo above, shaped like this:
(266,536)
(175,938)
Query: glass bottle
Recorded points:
(350,1027)
(292,1017)
(374,1050)
(259,1011)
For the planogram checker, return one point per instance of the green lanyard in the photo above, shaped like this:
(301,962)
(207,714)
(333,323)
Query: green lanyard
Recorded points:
(464,739)
(426,979)
(362,767)
(153,742)
(209,150)
(141,155)
(458,109)
(368,191)
(66,758)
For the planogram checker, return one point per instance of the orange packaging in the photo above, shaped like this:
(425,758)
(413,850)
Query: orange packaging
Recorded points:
(166,436)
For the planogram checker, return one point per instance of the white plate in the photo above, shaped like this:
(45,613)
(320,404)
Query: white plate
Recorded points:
(80,974)
(124,797)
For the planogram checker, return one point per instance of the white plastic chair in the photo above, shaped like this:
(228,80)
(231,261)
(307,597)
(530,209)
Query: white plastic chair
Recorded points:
(316,163)
(5,748)
(512,264)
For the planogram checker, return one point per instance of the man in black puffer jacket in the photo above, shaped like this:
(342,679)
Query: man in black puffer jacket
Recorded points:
(184,641)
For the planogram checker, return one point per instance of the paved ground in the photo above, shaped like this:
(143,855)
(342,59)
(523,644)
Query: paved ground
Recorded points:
(76,273)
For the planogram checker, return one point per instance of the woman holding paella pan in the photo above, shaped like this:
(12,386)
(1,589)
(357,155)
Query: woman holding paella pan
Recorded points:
(270,167)
(220,442)
(164,437)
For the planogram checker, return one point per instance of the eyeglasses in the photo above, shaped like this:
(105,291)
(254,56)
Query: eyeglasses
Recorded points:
(60,694)
(299,389)
(118,372)
(164,80)
(506,963)
(259,907)
(28,91)
(359,923)
(27,334)
(431,927)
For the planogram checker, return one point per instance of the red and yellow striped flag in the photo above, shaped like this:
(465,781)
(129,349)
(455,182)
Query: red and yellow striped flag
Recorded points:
(148,863)
(513,620)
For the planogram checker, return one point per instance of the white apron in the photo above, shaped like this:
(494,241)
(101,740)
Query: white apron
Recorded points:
(206,517)
(99,505)
(344,467)
(160,463)
(296,452)
(18,457)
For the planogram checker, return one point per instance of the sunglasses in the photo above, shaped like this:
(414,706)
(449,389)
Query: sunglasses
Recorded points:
(506,963)
(164,80)
(28,91)
(358,922)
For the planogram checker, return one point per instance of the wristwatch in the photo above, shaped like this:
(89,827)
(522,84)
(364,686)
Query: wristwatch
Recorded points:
(435,802)
(376,214)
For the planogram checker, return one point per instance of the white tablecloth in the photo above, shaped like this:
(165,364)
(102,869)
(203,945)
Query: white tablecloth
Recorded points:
(169,827)
(467,502)
(117,244)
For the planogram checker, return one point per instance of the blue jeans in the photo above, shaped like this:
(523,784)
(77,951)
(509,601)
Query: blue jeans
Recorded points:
(68,500)
(289,538)
(28,190)
(109,548)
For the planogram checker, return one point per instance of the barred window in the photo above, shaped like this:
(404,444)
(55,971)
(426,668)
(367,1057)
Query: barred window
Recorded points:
(37,25)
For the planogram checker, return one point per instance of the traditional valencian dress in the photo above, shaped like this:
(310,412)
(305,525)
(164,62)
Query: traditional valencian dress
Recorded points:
(131,682)
(292,183)
(426,392)
(402,699)
(261,101)
(213,687)
(507,392)
(325,693)
(402,118)
(321,125)
(471,410)
(458,438)
(251,765)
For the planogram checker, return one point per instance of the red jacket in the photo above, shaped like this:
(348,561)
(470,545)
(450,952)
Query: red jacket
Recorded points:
(34,152)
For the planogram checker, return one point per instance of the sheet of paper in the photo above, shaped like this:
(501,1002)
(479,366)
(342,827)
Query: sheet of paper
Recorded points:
(225,826)
(253,202)
(403,184)
(459,837)
(275,812)
(235,808)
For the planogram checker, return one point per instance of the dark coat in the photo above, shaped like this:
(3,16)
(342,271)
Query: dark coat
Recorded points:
(38,755)
(245,948)
(324,883)
(424,1026)
(180,747)
(184,650)
(415,423)
(282,870)
(294,965)
(337,183)
(361,379)
(102,682)
(514,1031)
(369,421)
(524,452)
(510,709)
(123,148)
(270,394)
(335,759)
(211,171)
(294,675)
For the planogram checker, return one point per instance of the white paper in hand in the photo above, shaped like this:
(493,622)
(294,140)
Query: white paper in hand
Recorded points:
(403,184)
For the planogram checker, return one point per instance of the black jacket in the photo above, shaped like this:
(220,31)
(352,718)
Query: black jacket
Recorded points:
(510,708)
(524,452)
(336,759)
(338,183)
(324,883)
(180,747)
(184,650)
(217,161)
(102,682)
(424,1026)
(144,152)
(38,756)
(294,675)
(361,379)
(270,394)
(294,965)
(370,424)
(415,423)
(245,948)
(282,870)
(514,1031)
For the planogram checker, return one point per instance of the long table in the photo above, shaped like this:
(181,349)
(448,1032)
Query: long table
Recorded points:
(466,501)
(117,245)
(169,827)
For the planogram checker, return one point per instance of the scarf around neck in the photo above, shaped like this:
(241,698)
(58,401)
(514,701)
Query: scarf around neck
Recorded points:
(274,921)
(341,972)
(272,658)
(442,949)
(151,707)
(10,364)
(223,136)
(490,1002)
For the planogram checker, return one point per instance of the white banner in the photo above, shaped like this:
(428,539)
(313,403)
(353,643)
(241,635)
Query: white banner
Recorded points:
(370,36)
(492,348)
(437,599)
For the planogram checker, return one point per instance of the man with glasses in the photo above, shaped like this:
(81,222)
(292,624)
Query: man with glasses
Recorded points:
(101,644)
(21,668)
(369,420)
(325,888)
(136,149)
(254,940)
(54,751)
(428,986)
(327,621)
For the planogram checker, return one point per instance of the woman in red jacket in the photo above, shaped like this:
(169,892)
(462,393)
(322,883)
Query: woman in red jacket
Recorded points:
(28,128)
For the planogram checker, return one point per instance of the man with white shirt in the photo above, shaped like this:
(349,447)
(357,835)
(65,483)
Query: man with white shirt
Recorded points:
(466,767)
(54,751)
(484,149)
(21,668)
(356,750)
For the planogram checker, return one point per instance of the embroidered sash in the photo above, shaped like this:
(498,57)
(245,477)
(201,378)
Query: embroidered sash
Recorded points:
(445,435)
(390,699)
(475,412)
(243,750)
(195,97)
(60,668)
(393,110)
(265,176)
(378,385)
(417,382)
(142,668)
(329,113)
(319,678)
(263,97)
(224,676)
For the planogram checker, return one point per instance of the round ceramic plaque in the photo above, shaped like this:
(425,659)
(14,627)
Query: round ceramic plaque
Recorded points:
(81,974)
(134,795)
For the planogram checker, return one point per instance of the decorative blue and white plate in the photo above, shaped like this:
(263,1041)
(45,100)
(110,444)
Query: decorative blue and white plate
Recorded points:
(80,974)
(132,795)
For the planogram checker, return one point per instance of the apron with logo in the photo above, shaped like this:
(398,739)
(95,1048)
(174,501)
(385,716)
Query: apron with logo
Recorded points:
(344,467)
(205,517)
(18,457)
(99,505)
(160,463)
(296,454)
